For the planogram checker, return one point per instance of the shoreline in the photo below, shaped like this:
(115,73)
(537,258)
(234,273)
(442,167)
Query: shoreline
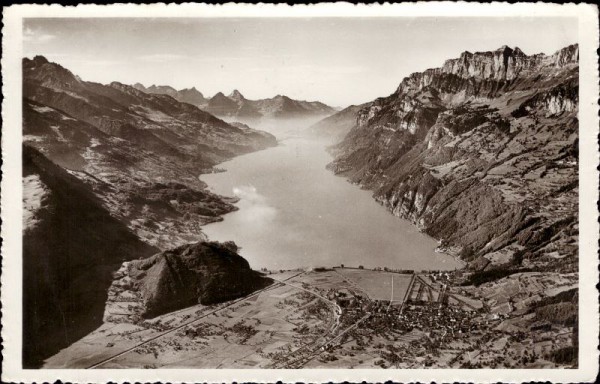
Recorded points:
(436,252)
(438,249)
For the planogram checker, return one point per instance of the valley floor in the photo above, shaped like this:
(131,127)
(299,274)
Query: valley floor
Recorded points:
(339,318)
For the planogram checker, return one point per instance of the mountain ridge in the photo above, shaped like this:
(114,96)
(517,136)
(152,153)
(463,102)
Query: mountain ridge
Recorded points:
(116,169)
(121,140)
(469,150)
(236,105)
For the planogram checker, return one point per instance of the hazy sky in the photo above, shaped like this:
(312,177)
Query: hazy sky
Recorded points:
(339,61)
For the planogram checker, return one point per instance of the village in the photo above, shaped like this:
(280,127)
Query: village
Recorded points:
(344,318)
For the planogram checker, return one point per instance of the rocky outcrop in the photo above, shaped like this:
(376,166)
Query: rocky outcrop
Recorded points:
(479,153)
(205,273)
(48,74)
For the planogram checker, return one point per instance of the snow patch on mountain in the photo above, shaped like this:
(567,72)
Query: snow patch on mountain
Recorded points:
(34,192)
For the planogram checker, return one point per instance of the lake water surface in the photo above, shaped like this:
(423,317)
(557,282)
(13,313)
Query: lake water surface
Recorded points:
(295,213)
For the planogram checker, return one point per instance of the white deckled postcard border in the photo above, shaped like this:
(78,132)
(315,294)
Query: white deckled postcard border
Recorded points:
(12,192)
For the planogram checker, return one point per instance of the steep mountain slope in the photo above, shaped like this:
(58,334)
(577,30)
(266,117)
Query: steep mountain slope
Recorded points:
(204,272)
(115,107)
(124,142)
(235,105)
(339,124)
(480,153)
(110,175)
(71,247)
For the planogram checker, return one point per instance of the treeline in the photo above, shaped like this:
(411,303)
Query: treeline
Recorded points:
(566,355)
(481,277)
(558,309)
(570,296)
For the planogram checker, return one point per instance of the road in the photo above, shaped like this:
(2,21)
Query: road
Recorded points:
(106,360)
(449,294)
(318,349)
(337,310)
(315,347)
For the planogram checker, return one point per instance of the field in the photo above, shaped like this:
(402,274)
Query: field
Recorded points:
(250,332)
(340,318)
(379,285)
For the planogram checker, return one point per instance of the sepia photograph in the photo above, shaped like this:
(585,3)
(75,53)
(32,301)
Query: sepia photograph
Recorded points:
(314,190)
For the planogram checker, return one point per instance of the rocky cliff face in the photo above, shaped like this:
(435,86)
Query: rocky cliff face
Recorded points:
(480,153)
(205,273)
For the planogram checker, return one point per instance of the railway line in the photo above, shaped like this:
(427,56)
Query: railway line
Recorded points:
(162,334)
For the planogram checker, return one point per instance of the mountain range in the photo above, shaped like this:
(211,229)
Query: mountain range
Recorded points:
(115,170)
(235,105)
(480,153)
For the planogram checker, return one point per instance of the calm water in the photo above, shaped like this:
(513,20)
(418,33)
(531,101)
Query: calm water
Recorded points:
(295,213)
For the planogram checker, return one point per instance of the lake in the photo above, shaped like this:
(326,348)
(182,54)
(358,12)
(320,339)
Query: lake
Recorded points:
(295,213)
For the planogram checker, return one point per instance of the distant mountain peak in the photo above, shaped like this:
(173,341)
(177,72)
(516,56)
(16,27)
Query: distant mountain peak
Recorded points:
(140,87)
(49,74)
(506,50)
(39,59)
(236,95)
(187,95)
(192,92)
(166,88)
